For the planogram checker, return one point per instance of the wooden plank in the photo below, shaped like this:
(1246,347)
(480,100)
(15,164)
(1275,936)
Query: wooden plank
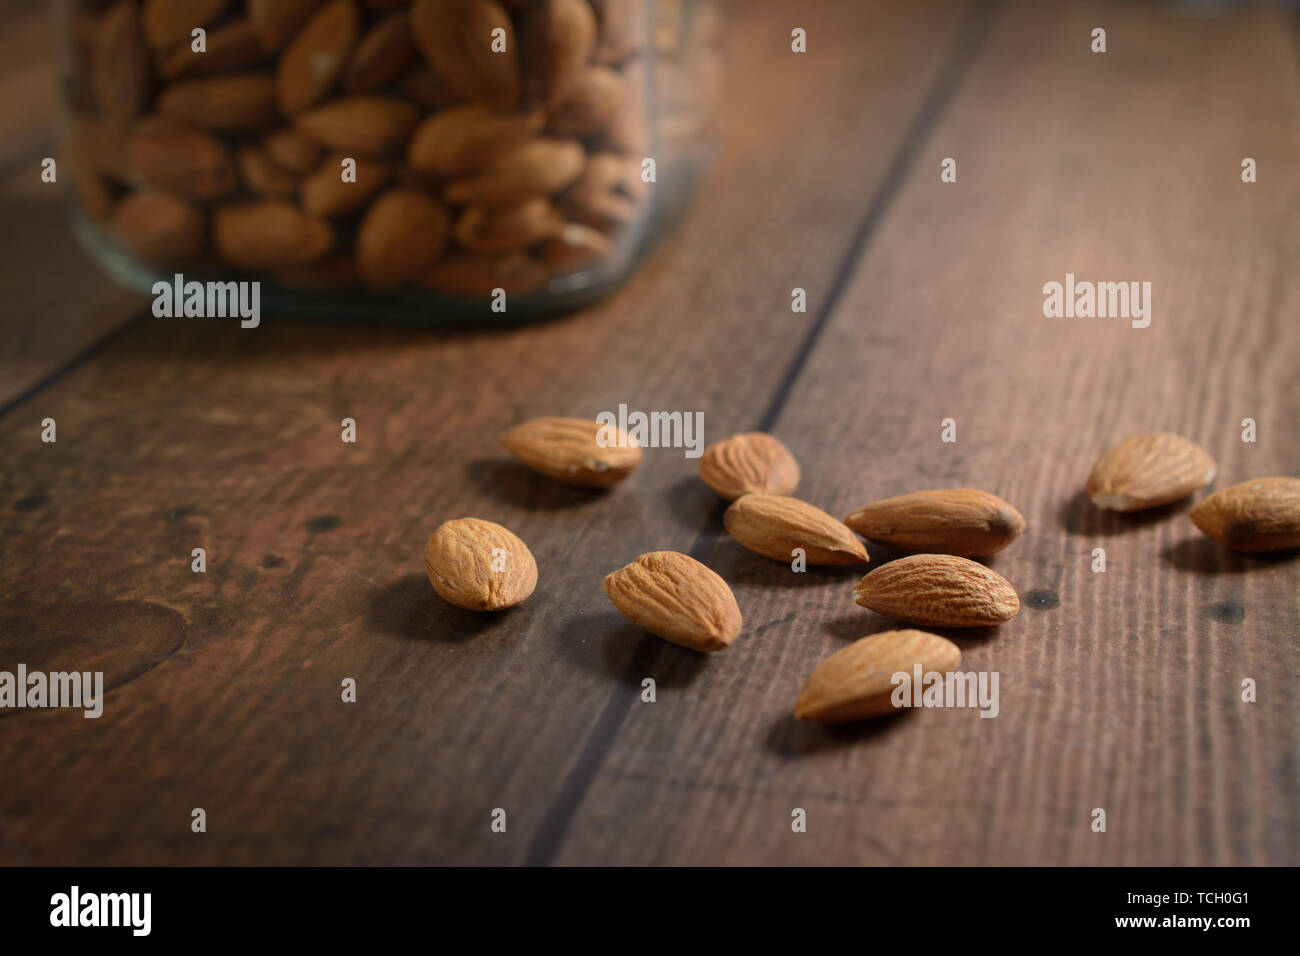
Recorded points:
(182,434)
(1118,690)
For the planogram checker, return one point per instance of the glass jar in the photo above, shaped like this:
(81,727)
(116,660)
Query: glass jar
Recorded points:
(430,161)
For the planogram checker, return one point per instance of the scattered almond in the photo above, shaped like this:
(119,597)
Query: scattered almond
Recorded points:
(960,521)
(1262,514)
(570,450)
(774,525)
(938,590)
(677,598)
(857,681)
(233,103)
(747,463)
(314,60)
(557,38)
(1147,471)
(384,54)
(540,167)
(479,565)
(462,139)
(324,193)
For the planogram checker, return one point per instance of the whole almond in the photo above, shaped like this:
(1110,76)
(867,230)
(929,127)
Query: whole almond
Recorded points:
(1262,514)
(324,192)
(312,63)
(384,54)
(590,105)
(185,161)
(540,167)
(456,36)
(960,521)
(479,565)
(574,246)
(1147,471)
(235,103)
(676,598)
(857,681)
(747,463)
(467,274)
(276,21)
(261,175)
(374,126)
(169,22)
(269,235)
(293,150)
(119,63)
(938,590)
(233,46)
(402,235)
(463,139)
(557,38)
(160,228)
(574,450)
(774,525)
(498,229)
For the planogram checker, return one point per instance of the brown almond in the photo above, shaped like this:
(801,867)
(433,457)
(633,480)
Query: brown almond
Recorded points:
(325,193)
(557,38)
(574,246)
(262,177)
(960,521)
(574,450)
(276,21)
(456,36)
(591,104)
(185,161)
(235,103)
(462,140)
(1262,514)
(269,235)
(231,47)
(774,526)
(375,126)
(384,54)
(467,274)
(747,463)
(312,63)
(479,565)
(676,598)
(858,681)
(119,64)
(938,590)
(497,229)
(160,228)
(401,236)
(169,22)
(293,150)
(540,167)
(1147,471)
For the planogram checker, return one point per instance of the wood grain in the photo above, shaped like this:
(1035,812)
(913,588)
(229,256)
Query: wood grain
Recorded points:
(1119,690)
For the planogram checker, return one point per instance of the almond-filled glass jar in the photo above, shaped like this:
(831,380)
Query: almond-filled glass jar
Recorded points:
(433,161)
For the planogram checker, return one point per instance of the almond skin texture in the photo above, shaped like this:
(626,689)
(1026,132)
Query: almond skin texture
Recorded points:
(960,521)
(1147,471)
(569,450)
(1258,515)
(456,37)
(748,463)
(463,569)
(773,526)
(938,590)
(857,681)
(676,598)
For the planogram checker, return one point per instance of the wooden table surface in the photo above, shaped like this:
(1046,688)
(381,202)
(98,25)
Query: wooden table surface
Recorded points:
(1119,690)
